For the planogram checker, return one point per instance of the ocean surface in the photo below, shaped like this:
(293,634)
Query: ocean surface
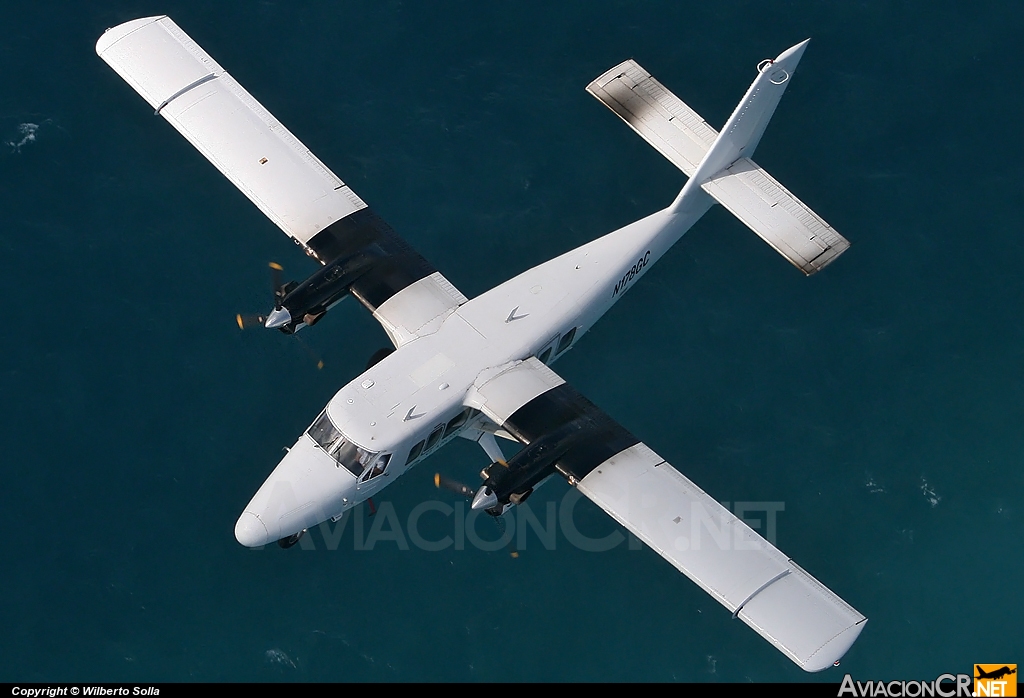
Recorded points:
(879,403)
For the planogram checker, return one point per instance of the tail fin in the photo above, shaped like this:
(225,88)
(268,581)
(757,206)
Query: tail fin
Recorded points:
(743,131)
(719,163)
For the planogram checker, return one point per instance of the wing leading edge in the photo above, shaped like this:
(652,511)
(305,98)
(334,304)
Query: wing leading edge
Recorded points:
(268,164)
(565,432)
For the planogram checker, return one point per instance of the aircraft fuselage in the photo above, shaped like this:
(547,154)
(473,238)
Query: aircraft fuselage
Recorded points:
(404,408)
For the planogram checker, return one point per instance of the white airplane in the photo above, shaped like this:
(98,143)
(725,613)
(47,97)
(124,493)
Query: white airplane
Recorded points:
(480,368)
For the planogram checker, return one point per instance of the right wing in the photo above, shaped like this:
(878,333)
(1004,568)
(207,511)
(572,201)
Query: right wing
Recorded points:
(276,171)
(741,570)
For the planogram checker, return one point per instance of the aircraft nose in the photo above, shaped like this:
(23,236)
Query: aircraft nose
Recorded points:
(250,531)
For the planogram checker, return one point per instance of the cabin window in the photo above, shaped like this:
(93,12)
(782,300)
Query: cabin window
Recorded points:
(457,422)
(434,437)
(545,355)
(566,340)
(415,452)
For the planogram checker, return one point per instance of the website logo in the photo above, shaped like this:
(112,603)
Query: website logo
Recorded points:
(995,680)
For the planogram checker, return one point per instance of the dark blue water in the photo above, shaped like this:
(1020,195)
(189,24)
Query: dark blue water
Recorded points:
(881,401)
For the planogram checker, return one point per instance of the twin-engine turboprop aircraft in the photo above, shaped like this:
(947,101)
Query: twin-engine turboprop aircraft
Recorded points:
(480,368)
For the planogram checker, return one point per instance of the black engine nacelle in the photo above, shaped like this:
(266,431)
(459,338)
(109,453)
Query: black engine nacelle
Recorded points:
(308,301)
(514,481)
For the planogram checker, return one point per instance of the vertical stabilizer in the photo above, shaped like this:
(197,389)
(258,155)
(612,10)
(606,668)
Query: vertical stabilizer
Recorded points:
(742,132)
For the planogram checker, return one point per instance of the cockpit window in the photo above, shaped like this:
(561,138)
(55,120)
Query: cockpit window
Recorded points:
(348,454)
(324,432)
(333,442)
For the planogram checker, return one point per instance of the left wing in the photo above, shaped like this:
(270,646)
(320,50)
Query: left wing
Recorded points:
(563,431)
(278,173)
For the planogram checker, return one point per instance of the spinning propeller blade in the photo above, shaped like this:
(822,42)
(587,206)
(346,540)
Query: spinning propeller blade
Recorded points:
(442,482)
(309,350)
(275,279)
(249,320)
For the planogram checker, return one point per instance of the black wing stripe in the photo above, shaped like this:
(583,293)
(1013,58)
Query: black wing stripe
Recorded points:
(565,418)
(393,264)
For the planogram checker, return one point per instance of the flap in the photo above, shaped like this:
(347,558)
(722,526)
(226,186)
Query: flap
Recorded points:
(500,392)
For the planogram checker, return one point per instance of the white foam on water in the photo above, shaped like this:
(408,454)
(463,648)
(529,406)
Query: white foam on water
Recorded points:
(278,657)
(929,492)
(28,135)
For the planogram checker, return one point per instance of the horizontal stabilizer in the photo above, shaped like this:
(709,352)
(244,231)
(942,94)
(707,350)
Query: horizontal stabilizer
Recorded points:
(720,163)
(657,115)
(779,218)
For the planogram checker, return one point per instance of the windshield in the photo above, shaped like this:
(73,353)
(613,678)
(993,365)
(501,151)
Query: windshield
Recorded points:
(333,442)
(324,432)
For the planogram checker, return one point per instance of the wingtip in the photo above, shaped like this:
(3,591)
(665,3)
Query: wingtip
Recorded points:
(829,654)
(114,34)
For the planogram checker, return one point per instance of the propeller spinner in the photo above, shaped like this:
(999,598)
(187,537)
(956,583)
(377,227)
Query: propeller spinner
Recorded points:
(279,316)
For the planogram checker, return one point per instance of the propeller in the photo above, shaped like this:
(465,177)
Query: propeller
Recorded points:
(446,483)
(249,320)
(309,350)
(442,482)
(280,291)
(280,315)
(275,277)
